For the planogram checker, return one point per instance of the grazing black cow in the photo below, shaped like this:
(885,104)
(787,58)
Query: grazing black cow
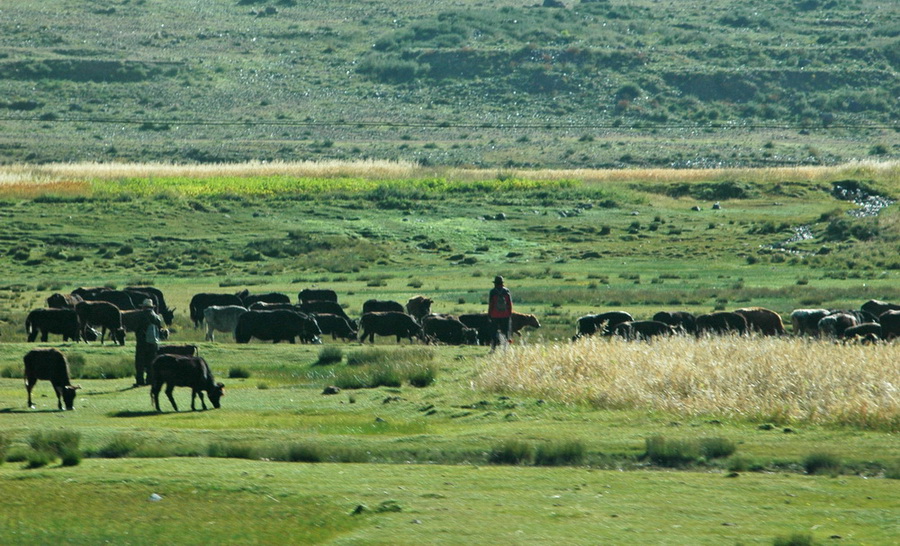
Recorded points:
(63,301)
(481,323)
(764,321)
(203,300)
(317,294)
(53,321)
(419,307)
(382,306)
(448,329)
(184,371)
(834,324)
(890,324)
(866,332)
(336,326)
(167,313)
(806,321)
(642,329)
(279,325)
(50,365)
(119,298)
(878,307)
(103,314)
(603,323)
(270,297)
(721,322)
(318,307)
(390,323)
(88,293)
(679,319)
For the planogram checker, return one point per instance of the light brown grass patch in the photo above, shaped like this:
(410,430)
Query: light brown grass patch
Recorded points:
(781,380)
(380,169)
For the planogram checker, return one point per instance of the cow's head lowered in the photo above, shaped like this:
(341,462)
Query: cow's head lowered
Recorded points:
(215,395)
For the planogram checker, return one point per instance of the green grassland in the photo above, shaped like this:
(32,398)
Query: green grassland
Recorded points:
(280,458)
(603,83)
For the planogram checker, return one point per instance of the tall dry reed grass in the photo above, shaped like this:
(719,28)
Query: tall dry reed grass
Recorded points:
(378,169)
(771,379)
(110,171)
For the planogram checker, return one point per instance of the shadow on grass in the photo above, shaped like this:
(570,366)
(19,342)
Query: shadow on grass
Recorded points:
(29,410)
(113,391)
(128,414)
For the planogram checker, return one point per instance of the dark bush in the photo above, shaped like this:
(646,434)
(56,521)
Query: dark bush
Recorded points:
(330,355)
(822,463)
(512,452)
(238,372)
(560,453)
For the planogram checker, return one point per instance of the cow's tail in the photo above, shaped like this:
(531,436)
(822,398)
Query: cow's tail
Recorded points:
(28,325)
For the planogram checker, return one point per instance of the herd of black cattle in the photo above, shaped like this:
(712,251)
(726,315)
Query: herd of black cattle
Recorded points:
(272,317)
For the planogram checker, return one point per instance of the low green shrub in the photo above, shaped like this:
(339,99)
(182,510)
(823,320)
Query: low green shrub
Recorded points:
(12,372)
(121,445)
(39,459)
(422,376)
(76,364)
(70,457)
(238,372)
(330,355)
(821,462)
(795,539)
(54,442)
(672,453)
(18,454)
(512,452)
(4,446)
(231,450)
(560,453)
(892,471)
(717,448)
(304,453)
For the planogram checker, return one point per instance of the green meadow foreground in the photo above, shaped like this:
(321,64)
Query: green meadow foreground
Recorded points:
(437,463)
(678,441)
(248,502)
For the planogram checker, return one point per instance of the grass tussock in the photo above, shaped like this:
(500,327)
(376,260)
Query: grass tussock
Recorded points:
(768,379)
(47,447)
(512,452)
(676,453)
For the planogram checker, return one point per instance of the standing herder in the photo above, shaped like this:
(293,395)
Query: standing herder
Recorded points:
(499,312)
(146,343)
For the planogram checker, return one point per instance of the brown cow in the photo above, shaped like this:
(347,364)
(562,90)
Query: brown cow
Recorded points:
(721,322)
(51,365)
(521,320)
(764,321)
(103,314)
(419,307)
